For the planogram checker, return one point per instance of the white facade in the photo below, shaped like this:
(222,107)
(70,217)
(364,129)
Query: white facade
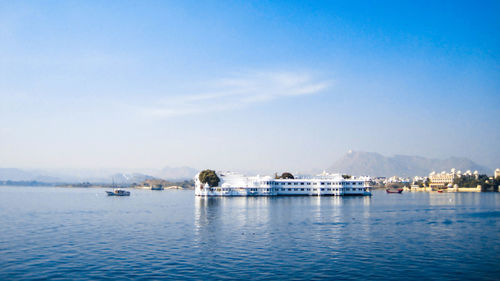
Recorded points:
(232,184)
(497,173)
(438,180)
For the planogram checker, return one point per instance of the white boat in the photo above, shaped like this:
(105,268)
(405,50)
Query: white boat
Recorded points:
(234,184)
(118,192)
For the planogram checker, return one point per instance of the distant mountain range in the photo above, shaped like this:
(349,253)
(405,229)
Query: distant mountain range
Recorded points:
(14,174)
(353,162)
(97,175)
(375,164)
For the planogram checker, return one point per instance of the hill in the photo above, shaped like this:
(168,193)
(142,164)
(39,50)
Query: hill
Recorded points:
(174,174)
(375,164)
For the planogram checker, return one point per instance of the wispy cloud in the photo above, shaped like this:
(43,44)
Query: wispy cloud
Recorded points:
(239,91)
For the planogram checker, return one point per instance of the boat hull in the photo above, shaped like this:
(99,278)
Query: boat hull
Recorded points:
(111,193)
(394,191)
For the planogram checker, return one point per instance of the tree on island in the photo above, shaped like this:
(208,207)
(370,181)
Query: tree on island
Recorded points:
(210,177)
(286,175)
(346,176)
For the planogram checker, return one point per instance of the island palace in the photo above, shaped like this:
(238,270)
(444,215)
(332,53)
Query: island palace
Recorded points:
(234,184)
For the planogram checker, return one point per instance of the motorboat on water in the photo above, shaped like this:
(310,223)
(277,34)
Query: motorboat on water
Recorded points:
(394,190)
(118,192)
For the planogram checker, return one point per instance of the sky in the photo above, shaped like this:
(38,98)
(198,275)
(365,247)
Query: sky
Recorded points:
(246,85)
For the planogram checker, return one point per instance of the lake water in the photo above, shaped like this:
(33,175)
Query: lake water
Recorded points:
(63,233)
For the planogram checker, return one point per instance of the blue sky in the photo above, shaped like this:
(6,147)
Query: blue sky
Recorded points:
(246,85)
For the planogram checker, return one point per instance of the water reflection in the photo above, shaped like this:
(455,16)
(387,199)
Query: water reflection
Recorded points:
(175,235)
(455,198)
(247,218)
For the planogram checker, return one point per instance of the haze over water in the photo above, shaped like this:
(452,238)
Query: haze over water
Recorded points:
(83,234)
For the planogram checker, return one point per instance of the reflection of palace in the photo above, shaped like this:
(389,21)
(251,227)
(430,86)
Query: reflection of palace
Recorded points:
(244,226)
(214,213)
(210,210)
(233,184)
(230,216)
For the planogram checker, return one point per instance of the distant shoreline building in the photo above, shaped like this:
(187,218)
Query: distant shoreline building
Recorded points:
(497,173)
(440,180)
(443,179)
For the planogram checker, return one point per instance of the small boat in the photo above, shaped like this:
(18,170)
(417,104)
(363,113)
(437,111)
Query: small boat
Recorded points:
(118,192)
(440,191)
(394,190)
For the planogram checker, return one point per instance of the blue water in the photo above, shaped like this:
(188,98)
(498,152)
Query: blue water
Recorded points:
(59,233)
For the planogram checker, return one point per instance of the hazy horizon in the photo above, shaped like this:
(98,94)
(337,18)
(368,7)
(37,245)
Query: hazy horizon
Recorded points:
(246,85)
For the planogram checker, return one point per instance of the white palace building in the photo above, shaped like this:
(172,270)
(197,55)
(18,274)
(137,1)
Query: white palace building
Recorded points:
(234,184)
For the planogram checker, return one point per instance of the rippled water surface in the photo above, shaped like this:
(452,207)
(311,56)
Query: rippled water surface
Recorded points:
(83,234)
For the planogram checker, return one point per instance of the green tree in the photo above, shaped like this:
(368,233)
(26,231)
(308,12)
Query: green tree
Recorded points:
(210,177)
(427,182)
(286,175)
(419,183)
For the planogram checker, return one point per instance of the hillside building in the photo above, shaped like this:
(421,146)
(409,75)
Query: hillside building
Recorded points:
(443,179)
